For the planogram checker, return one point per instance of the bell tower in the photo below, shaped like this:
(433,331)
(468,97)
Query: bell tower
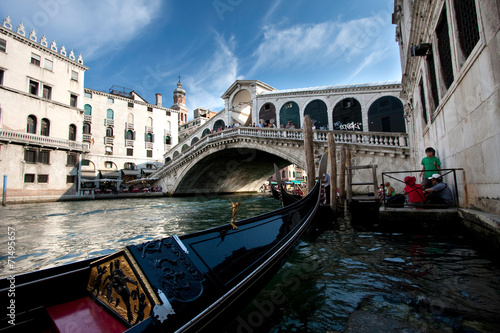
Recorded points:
(180,103)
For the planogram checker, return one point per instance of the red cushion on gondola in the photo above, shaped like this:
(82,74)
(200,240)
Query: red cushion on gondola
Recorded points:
(84,315)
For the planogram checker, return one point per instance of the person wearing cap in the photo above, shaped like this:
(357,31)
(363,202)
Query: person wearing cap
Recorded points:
(439,193)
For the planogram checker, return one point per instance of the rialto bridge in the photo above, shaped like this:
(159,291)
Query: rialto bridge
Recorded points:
(228,154)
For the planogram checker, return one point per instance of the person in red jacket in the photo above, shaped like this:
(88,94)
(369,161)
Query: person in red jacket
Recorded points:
(414,192)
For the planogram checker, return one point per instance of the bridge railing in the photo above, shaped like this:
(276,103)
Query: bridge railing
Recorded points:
(379,139)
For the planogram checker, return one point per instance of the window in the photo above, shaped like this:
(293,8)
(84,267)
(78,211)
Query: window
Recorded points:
(444,48)
(108,150)
(129,135)
(431,69)
(72,133)
(86,128)
(47,92)
(48,64)
(43,179)
(30,155)
(422,100)
(85,162)
(1,77)
(35,59)
(109,131)
(88,95)
(168,141)
(108,165)
(44,156)
(130,152)
(109,114)
(72,160)
(130,104)
(110,100)
(33,87)
(149,137)
(87,110)
(74,75)
(45,128)
(70,179)
(468,28)
(150,109)
(31,126)
(73,100)
(29,178)
(3,45)
(149,153)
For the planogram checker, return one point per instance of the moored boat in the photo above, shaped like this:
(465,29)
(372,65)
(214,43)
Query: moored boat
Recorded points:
(187,283)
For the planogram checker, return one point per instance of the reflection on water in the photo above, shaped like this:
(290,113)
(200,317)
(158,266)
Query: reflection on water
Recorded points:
(438,283)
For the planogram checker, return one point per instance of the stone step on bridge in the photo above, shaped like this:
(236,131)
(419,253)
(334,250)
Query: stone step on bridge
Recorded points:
(241,159)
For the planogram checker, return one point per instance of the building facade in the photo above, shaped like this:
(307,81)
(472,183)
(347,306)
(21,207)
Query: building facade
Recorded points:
(127,136)
(450,59)
(201,116)
(41,115)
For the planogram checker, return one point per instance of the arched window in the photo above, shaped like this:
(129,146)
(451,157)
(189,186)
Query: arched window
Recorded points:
(150,122)
(88,110)
(267,114)
(347,115)
(206,132)
(149,137)
(386,114)
(317,110)
(168,140)
(86,128)
(219,124)
(45,128)
(129,135)
(109,131)
(72,133)
(109,114)
(31,126)
(290,115)
(130,118)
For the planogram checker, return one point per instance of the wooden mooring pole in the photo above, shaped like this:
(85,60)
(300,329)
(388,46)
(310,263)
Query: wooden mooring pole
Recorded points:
(342,176)
(309,149)
(332,154)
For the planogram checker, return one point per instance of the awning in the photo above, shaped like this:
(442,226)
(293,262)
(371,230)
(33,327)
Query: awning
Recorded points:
(88,175)
(127,172)
(296,181)
(146,171)
(142,180)
(109,174)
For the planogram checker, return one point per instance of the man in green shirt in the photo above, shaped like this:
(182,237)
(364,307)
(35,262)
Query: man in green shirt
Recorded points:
(430,165)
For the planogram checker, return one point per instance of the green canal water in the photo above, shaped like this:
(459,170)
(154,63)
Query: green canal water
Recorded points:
(437,281)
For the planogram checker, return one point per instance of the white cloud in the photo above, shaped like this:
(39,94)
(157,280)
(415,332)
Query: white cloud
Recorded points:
(308,45)
(92,28)
(205,85)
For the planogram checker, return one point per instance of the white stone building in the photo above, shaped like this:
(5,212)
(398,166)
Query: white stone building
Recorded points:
(127,135)
(41,115)
(450,58)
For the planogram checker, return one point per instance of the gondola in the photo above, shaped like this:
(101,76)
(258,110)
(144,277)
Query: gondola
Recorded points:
(189,283)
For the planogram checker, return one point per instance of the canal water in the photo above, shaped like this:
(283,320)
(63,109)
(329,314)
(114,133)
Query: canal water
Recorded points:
(436,281)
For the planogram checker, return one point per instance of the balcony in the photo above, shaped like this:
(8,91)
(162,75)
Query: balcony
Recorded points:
(149,145)
(87,137)
(129,126)
(87,118)
(109,122)
(129,143)
(149,129)
(108,140)
(42,141)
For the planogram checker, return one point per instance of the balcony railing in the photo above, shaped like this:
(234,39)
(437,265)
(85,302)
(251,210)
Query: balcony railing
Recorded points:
(44,141)
(108,140)
(87,118)
(129,143)
(109,122)
(149,129)
(149,145)
(87,137)
(129,126)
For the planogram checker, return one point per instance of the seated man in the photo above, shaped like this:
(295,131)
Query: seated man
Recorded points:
(389,191)
(439,193)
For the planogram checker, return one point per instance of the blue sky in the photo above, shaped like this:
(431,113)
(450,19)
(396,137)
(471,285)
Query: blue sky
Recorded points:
(145,45)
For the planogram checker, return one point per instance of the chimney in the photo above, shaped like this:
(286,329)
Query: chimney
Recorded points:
(158,99)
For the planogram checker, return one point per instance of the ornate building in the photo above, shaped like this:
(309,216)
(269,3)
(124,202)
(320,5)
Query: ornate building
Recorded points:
(450,60)
(180,103)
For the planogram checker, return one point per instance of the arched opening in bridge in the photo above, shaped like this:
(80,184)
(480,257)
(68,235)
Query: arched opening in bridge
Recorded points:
(386,114)
(176,153)
(195,139)
(318,112)
(206,132)
(184,147)
(267,114)
(290,115)
(347,115)
(168,159)
(219,124)
(242,107)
